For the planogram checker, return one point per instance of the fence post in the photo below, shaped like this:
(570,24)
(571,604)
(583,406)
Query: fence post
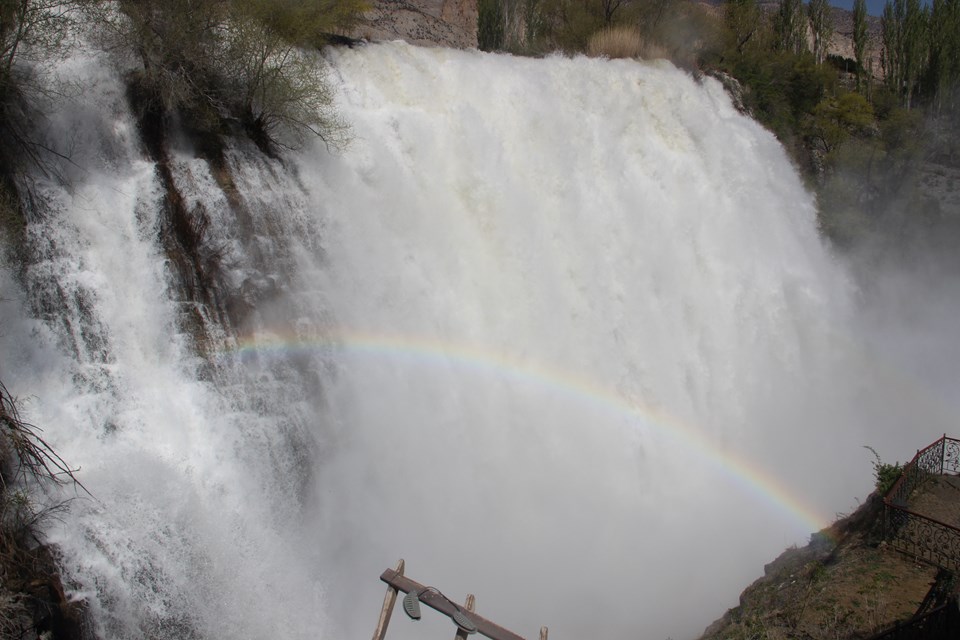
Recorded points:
(943,451)
(886,517)
(389,600)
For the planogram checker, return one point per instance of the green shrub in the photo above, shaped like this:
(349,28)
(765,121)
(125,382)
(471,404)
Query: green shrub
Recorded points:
(246,60)
(835,119)
(885,475)
(278,90)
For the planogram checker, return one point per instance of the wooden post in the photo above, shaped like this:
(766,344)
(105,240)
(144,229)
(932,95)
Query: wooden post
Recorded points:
(389,600)
(471,605)
(543,633)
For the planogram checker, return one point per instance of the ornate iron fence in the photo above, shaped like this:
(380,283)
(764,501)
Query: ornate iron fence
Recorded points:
(924,538)
(951,455)
(913,533)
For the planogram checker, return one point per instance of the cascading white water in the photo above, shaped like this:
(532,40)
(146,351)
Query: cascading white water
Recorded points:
(559,332)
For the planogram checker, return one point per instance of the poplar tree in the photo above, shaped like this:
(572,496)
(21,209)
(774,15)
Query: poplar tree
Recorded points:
(743,21)
(944,63)
(490,21)
(790,27)
(906,26)
(915,47)
(821,24)
(860,39)
(891,28)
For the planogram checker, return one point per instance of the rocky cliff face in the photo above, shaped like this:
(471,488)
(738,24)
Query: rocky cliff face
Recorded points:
(841,43)
(444,23)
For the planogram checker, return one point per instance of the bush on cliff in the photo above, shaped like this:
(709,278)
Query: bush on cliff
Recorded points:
(32,598)
(32,34)
(250,61)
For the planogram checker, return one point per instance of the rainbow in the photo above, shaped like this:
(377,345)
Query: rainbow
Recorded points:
(739,470)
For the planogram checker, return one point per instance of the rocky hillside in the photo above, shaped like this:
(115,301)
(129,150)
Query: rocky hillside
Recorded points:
(846,583)
(841,43)
(445,23)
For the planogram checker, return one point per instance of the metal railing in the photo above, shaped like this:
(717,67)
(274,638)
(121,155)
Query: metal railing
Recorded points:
(943,623)
(913,533)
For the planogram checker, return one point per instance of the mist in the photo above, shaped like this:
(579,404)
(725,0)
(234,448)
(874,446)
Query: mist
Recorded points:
(685,339)
(889,207)
(561,333)
(908,299)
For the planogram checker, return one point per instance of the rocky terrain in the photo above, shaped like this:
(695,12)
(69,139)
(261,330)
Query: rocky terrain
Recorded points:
(445,23)
(841,43)
(847,583)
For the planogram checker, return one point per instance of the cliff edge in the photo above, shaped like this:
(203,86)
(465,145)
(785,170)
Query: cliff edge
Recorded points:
(846,583)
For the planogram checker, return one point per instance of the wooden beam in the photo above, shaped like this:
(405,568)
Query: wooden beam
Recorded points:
(389,600)
(444,606)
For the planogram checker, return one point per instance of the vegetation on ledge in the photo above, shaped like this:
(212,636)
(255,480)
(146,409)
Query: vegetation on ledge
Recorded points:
(247,61)
(207,63)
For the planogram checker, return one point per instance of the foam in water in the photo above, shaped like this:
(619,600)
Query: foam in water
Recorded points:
(559,332)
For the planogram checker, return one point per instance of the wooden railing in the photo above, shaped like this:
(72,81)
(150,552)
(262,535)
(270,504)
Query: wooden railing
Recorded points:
(464,616)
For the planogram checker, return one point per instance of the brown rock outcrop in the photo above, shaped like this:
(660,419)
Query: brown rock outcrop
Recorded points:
(444,23)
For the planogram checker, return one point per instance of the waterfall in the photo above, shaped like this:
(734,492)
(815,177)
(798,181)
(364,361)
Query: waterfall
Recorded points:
(559,332)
